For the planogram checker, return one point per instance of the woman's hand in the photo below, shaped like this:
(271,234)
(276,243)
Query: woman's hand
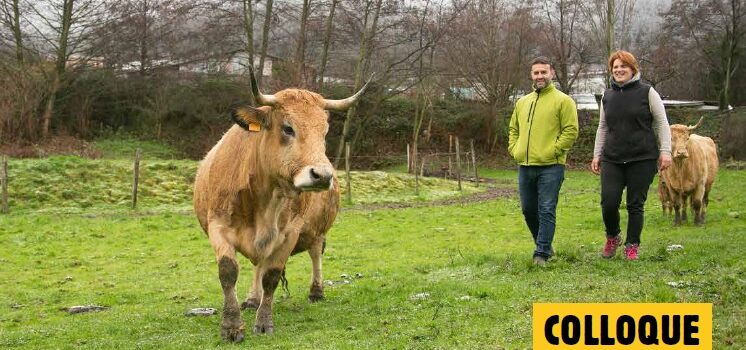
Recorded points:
(596,165)
(664,161)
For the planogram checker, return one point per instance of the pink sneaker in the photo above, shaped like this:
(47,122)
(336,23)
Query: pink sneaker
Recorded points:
(611,244)
(630,251)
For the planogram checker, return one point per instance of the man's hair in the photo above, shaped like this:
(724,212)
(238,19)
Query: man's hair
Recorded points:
(627,58)
(541,60)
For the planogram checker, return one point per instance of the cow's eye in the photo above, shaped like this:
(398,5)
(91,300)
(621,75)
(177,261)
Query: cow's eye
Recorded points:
(288,130)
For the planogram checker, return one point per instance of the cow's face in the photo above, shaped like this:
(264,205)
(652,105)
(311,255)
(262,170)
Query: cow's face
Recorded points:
(293,146)
(294,124)
(679,140)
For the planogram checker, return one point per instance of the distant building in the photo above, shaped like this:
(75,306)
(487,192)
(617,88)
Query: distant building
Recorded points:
(592,80)
(77,61)
(234,63)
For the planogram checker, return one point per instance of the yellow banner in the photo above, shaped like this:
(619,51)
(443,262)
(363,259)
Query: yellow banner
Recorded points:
(622,326)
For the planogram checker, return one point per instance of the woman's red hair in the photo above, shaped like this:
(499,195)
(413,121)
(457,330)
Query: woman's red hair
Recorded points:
(626,58)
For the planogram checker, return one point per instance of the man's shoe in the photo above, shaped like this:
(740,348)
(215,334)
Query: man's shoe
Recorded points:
(612,243)
(631,251)
(540,261)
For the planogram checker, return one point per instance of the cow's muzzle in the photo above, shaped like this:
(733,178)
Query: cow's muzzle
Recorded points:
(681,154)
(314,178)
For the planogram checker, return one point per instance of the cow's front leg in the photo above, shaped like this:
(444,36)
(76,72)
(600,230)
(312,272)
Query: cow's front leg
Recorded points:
(263,322)
(255,293)
(677,207)
(317,287)
(698,208)
(232,326)
(271,270)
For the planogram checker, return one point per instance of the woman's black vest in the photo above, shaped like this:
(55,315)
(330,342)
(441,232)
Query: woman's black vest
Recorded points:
(629,123)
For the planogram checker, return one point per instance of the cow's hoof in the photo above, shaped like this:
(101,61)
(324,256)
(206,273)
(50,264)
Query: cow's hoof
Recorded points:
(312,298)
(264,329)
(232,333)
(250,304)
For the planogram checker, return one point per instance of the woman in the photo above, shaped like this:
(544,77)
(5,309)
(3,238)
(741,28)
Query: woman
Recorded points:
(627,151)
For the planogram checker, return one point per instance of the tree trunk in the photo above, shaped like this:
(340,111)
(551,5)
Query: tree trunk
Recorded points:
(17,35)
(730,56)
(248,16)
(300,48)
(59,73)
(327,43)
(265,40)
(609,32)
(362,61)
(46,118)
(144,38)
(422,100)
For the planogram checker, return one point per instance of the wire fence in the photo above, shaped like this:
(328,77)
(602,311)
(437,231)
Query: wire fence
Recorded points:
(447,165)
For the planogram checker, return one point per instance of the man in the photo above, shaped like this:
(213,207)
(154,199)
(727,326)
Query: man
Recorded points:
(543,127)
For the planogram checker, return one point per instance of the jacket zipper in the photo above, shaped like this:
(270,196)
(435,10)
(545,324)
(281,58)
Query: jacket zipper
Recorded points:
(531,111)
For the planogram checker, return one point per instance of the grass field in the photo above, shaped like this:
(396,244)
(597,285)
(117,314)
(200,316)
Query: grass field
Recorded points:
(440,277)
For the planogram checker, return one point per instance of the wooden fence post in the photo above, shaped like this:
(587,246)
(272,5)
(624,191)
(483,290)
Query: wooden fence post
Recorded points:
(409,161)
(422,167)
(416,173)
(136,179)
(474,162)
(4,181)
(347,171)
(450,150)
(458,164)
(467,170)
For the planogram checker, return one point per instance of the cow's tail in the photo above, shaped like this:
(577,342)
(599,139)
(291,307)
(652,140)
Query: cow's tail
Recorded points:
(284,282)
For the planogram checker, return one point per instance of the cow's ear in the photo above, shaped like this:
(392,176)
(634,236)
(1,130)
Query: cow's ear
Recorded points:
(250,118)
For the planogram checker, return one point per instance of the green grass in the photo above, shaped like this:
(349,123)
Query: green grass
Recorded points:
(124,147)
(69,184)
(473,261)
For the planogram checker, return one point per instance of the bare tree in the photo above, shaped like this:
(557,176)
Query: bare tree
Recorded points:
(65,26)
(370,25)
(486,50)
(153,33)
(265,39)
(248,14)
(610,22)
(328,31)
(732,14)
(564,37)
(708,37)
(300,48)
(11,19)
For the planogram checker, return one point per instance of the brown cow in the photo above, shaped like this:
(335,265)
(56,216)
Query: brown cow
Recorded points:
(695,164)
(267,190)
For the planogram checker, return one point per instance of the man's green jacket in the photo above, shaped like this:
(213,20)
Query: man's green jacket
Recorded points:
(543,127)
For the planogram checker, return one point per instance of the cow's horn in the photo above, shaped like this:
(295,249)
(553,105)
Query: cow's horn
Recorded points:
(342,105)
(261,99)
(696,125)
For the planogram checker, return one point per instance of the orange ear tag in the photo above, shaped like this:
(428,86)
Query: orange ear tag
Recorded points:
(255,127)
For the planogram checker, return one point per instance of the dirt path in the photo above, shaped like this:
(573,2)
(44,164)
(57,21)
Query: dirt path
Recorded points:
(490,194)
